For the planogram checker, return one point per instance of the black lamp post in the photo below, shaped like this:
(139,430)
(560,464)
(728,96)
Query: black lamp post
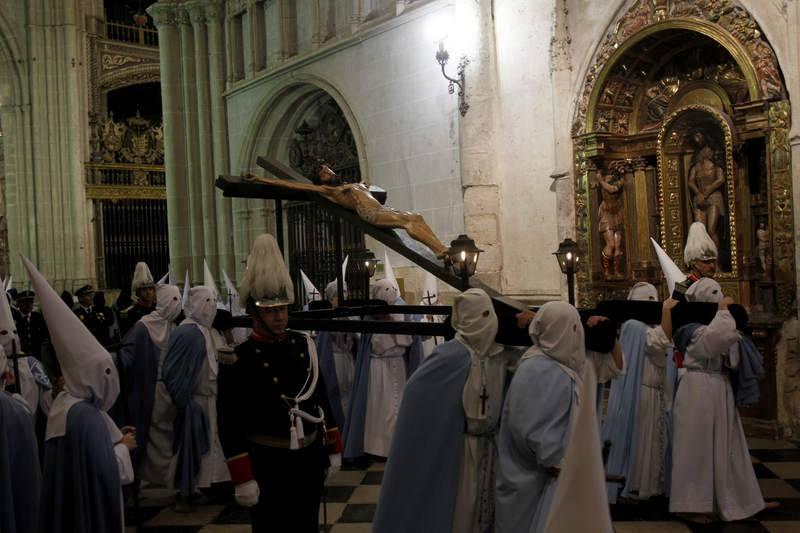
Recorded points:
(568,256)
(366,262)
(462,258)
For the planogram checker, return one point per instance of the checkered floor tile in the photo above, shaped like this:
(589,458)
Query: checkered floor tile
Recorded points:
(353,496)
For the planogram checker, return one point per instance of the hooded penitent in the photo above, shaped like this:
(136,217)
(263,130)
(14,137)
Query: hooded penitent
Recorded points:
(89,372)
(331,290)
(385,290)
(699,245)
(705,290)
(142,278)
(643,292)
(32,377)
(266,279)
(160,322)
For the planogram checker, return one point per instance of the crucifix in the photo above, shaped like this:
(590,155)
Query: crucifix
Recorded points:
(313,294)
(429,298)
(484,396)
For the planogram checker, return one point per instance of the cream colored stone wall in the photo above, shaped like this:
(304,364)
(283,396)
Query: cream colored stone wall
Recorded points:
(44,110)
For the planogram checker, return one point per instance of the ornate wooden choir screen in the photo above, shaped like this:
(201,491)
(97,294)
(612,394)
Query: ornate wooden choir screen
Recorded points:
(126,181)
(323,136)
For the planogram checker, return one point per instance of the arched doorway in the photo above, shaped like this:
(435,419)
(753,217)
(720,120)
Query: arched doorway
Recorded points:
(683,116)
(304,125)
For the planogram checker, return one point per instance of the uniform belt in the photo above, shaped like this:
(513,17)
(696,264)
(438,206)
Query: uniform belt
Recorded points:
(278,442)
(705,371)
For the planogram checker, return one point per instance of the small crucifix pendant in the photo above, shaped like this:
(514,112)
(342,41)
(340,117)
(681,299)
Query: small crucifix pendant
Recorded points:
(484,396)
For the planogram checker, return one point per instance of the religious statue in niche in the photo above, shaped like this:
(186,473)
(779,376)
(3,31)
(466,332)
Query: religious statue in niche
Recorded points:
(706,181)
(357,197)
(762,246)
(611,219)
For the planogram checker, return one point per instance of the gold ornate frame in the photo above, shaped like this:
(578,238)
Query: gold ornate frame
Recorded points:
(671,188)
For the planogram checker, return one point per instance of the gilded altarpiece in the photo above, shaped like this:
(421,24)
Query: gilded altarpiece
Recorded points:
(685,116)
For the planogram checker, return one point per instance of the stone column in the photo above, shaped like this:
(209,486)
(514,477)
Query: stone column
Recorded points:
(202,134)
(477,133)
(60,214)
(193,182)
(178,212)
(215,16)
(563,173)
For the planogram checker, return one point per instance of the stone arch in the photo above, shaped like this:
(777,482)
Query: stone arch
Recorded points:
(126,77)
(273,120)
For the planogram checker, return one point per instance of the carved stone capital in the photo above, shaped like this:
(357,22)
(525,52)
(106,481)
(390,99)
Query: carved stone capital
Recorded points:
(215,11)
(163,14)
(197,12)
(183,16)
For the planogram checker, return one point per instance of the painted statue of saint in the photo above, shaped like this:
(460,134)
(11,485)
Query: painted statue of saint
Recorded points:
(611,221)
(706,180)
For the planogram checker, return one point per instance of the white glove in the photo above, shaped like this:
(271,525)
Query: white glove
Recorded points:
(336,465)
(247,494)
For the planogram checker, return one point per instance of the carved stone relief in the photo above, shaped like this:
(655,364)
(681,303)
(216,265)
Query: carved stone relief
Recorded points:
(726,14)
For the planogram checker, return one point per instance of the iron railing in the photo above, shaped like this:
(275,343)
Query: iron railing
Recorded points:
(131,34)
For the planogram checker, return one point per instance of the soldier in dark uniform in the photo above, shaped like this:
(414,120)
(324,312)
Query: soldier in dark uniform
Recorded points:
(144,288)
(276,425)
(98,321)
(30,325)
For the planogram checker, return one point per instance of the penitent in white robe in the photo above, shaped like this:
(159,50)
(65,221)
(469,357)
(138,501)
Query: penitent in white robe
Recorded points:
(711,471)
(647,474)
(387,379)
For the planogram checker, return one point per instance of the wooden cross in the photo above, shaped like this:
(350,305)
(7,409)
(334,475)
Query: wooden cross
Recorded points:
(484,396)
(429,298)
(313,294)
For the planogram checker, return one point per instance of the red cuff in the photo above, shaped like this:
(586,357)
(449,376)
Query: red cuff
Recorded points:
(333,441)
(240,469)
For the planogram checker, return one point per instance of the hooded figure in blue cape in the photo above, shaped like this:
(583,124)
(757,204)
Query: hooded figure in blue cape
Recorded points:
(337,361)
(20,476)
(87,458)
(141,355)
(636,422)
(190,376)
(550,469)
(443,456)
(383,365)
(35,386)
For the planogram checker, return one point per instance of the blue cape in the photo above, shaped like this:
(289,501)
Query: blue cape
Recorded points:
(420,484)
(20,476)
(327,367)
(82,490)
(622,420)
(183,361)
(353,431)
(139,358)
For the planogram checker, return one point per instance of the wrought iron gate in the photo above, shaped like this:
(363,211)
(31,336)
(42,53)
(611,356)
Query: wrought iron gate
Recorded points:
(327,137)
(127,183)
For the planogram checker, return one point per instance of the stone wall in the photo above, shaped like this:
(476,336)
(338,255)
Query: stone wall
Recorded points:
(788,379)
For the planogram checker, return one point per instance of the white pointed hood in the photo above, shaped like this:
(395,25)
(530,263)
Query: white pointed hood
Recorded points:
(344,267)
(672,273)
(142,277)
(699,245)
(208,281)
(186,286)
(8,282)
(164,280)
(430,290)
(643,292)
(233,296)
(89,372)
(389,272)
(312,294)
(8,328)
(161,321)
(201,310)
